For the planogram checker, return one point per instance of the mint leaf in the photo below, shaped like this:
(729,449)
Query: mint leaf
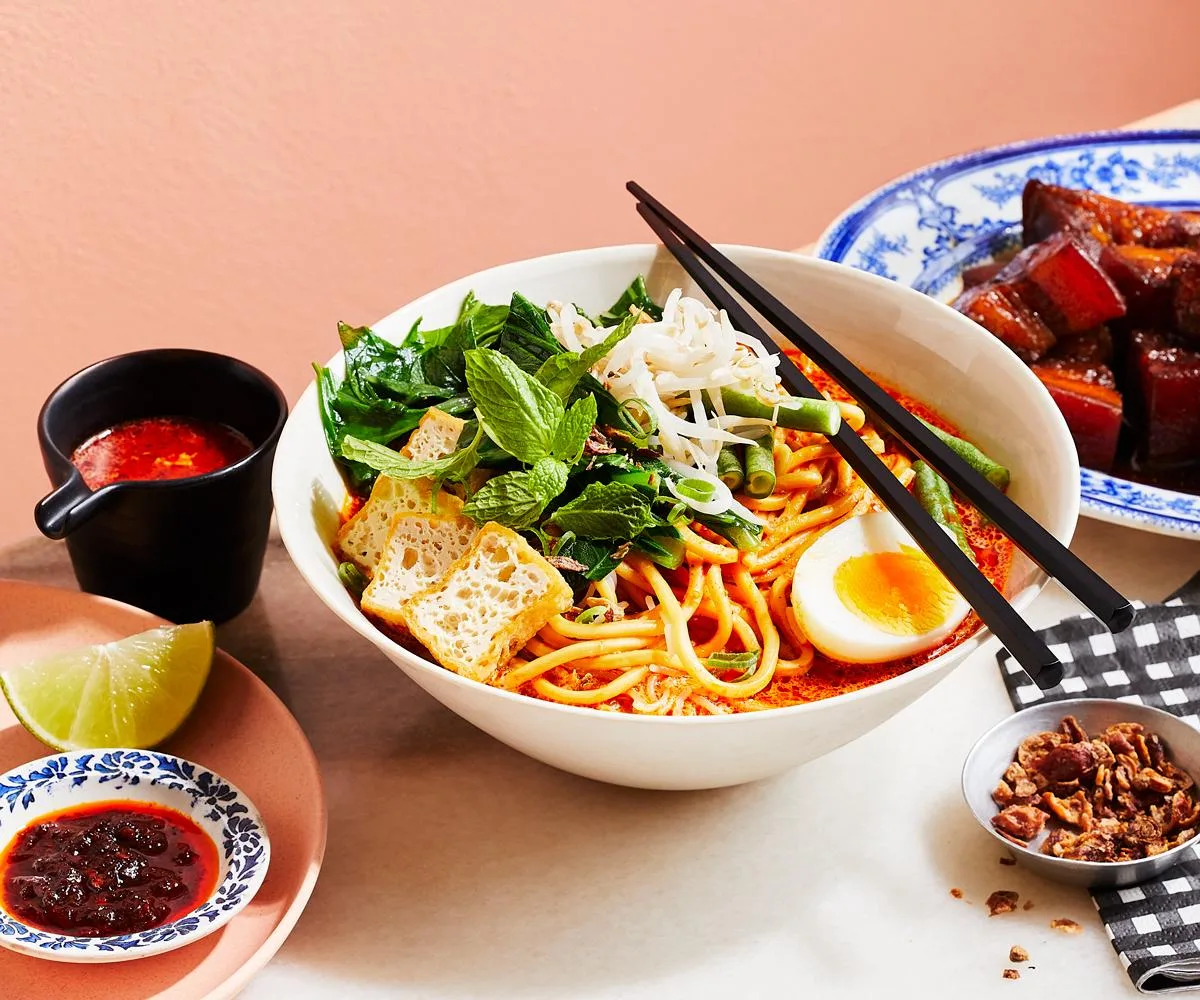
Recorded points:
(573,430)
(562,372)
(387,462)
(606,510)
(517,499)
(518,412)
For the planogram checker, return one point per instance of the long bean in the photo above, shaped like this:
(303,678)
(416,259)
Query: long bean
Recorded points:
(991,470)
(796,413)
(933,494)
(729,468)
(760,467)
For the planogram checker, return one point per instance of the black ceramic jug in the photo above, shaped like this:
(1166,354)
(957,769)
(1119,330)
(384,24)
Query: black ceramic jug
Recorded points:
(186,549)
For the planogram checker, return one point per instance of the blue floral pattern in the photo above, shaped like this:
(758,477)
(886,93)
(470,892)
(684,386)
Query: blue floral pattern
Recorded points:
(926,227)
(241,838)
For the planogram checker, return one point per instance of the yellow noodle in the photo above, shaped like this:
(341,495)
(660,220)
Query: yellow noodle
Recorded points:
(593,696)
(695,587)
(708,551)
(760,560)
(680,643)
(556,658)
(603,630)
(852,416)
(714,586)
(776,501)
(800,479)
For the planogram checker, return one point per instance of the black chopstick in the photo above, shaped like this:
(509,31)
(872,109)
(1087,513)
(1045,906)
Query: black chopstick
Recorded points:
(1035,541)
(1026,647)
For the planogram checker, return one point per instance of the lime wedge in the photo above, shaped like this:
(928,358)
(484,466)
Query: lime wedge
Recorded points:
(133,693)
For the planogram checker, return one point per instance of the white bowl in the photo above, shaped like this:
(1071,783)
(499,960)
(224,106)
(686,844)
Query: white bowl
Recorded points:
(895,333)
(67,780)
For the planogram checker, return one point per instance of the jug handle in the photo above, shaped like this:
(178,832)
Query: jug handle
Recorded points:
(63,510)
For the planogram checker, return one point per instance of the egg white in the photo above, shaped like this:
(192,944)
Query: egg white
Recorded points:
(836,630)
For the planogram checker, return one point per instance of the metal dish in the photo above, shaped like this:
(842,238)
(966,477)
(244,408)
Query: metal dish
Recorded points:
(995,750)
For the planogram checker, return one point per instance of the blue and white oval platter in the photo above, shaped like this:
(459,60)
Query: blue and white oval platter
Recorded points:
(924,228)
(72,779)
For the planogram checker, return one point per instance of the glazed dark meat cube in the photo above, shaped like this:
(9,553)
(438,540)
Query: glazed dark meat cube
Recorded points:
(1049,209)
(1145,277)
(1185,276)
(1166,375)
(1092,347)
(1000,310)
(1073,294)
(1087,396)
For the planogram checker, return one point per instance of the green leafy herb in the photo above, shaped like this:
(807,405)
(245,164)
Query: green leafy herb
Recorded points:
(455,467)
(665,549)
(599,557)
(635,295)
(487,320)
(517,499)
(746,535)
(606,510)
(572,431)
(446,364)
(526,338)
(562,372)
(377,369)
(519,413)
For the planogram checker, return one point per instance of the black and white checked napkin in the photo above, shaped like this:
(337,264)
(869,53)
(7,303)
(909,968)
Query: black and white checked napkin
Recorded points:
(1154,926)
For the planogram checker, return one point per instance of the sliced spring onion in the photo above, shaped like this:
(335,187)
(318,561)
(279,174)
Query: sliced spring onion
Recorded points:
(747,662)
(637,419)
(591,615)
(352,578)
(933,494)
(729,468)
(699,490)
(822,416)
(643,479)
(992,471)
(679,513)
(760,467)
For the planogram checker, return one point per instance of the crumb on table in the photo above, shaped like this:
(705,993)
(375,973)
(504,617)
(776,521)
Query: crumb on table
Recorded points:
(1001,901)
(1066,926)
(956,893)
(1028,905)
(1011,974)
(1017,954)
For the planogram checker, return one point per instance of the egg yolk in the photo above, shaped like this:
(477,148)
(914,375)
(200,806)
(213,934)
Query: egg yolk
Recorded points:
(899,592)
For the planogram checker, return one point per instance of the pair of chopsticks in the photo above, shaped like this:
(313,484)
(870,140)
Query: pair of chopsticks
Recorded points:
(693,253)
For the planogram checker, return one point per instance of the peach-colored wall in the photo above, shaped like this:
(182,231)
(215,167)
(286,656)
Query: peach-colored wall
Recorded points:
(239,176)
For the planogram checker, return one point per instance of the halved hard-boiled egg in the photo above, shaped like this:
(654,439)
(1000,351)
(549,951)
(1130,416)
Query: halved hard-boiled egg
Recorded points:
(864,592)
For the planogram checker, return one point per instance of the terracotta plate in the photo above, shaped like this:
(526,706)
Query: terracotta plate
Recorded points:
(241,730)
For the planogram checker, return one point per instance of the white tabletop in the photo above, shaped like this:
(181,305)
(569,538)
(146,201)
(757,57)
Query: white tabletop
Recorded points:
(458,868)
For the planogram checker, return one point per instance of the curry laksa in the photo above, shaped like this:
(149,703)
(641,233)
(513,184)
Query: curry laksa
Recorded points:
(627,512)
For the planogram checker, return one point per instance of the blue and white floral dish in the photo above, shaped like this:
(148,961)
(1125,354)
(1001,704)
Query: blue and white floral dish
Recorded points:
(67,780)
(926,227)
